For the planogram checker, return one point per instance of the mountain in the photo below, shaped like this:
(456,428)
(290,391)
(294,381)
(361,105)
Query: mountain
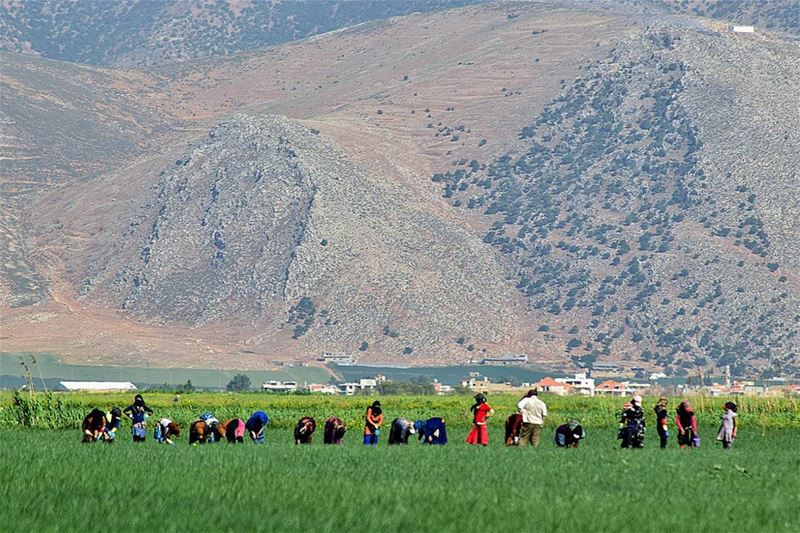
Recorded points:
(265,224)
(144,32)
(630,219)
(577,183)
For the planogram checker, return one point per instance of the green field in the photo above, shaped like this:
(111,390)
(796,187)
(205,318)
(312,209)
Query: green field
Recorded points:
(50,368)
(52,482)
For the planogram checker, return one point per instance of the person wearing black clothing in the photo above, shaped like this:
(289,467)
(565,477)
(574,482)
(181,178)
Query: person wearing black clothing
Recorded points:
(138,412)
(661,421)
(632,424)
(569,435)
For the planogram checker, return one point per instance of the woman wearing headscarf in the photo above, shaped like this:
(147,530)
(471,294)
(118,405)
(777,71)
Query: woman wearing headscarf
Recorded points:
(569,435)
(256,425)
(138,412)
(113,423)
(373,420)
(687,425)
(660,410)
(729,426)
(480,412)
(632,424)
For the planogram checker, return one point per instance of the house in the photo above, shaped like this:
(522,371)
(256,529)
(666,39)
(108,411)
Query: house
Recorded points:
(279,386)
(619,388)
(580,383)
(319,388)
(440,388)
(553,386)
(98,386)
(505,360)
(611,388)
(339,358)
(741,29)
(363,384)
(484,385)
(606,368)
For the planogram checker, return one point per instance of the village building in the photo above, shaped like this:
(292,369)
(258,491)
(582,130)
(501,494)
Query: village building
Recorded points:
(279,386)
(339,358)
(553,386)
(320,388)
(505,360)
(363,384)
(620,388)
(580,383)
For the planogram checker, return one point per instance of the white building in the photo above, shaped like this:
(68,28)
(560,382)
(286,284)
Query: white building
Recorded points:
(742,29)
(320,388)
(279,386)
(581,384)
(351,388)
(339,358)
(98,386)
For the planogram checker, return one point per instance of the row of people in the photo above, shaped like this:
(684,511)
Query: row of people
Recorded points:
(632,424)
(522,428)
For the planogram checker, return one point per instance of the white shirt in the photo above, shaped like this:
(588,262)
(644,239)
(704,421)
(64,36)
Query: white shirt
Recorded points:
(533,410)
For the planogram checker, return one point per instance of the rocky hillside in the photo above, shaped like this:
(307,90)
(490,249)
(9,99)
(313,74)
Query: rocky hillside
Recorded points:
(576,184)
(633,222)
(147,32)
(266,223)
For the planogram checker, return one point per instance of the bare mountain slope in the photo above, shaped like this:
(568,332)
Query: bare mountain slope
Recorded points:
(604,187)
(264,222)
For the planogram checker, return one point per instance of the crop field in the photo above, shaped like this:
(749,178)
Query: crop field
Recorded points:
(52,482)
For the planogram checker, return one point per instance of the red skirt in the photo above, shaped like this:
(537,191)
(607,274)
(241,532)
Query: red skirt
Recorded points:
(478,435)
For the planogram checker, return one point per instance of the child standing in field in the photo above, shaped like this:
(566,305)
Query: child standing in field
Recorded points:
(373,421)
(661,421)
(687,425)
(138,412)
(480,412)
(729,427)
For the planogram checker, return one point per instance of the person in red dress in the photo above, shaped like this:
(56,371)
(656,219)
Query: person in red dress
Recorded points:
(480,411)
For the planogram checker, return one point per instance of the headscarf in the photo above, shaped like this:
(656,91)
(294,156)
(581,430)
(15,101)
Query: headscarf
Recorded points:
(480,399)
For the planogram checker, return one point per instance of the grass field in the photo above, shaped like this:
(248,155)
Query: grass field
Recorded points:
(52,482)
(52,370)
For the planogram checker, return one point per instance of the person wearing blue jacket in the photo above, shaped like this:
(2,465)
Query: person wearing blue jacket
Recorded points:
(256,425)
(432,431)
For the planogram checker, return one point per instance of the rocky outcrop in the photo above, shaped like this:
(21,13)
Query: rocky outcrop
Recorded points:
(264,213)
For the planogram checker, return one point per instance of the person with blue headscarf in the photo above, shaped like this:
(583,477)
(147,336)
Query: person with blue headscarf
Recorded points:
(256,425)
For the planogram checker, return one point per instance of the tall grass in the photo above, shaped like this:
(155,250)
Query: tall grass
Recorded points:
(66,410)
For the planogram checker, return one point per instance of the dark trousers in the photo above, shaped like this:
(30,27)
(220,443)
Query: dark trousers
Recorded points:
(663,436)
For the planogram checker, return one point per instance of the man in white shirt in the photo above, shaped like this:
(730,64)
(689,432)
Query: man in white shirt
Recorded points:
(533,411)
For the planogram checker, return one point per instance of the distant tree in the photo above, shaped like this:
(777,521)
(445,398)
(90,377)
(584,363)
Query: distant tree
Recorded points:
(408,350)
(364,346)
(240,382)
